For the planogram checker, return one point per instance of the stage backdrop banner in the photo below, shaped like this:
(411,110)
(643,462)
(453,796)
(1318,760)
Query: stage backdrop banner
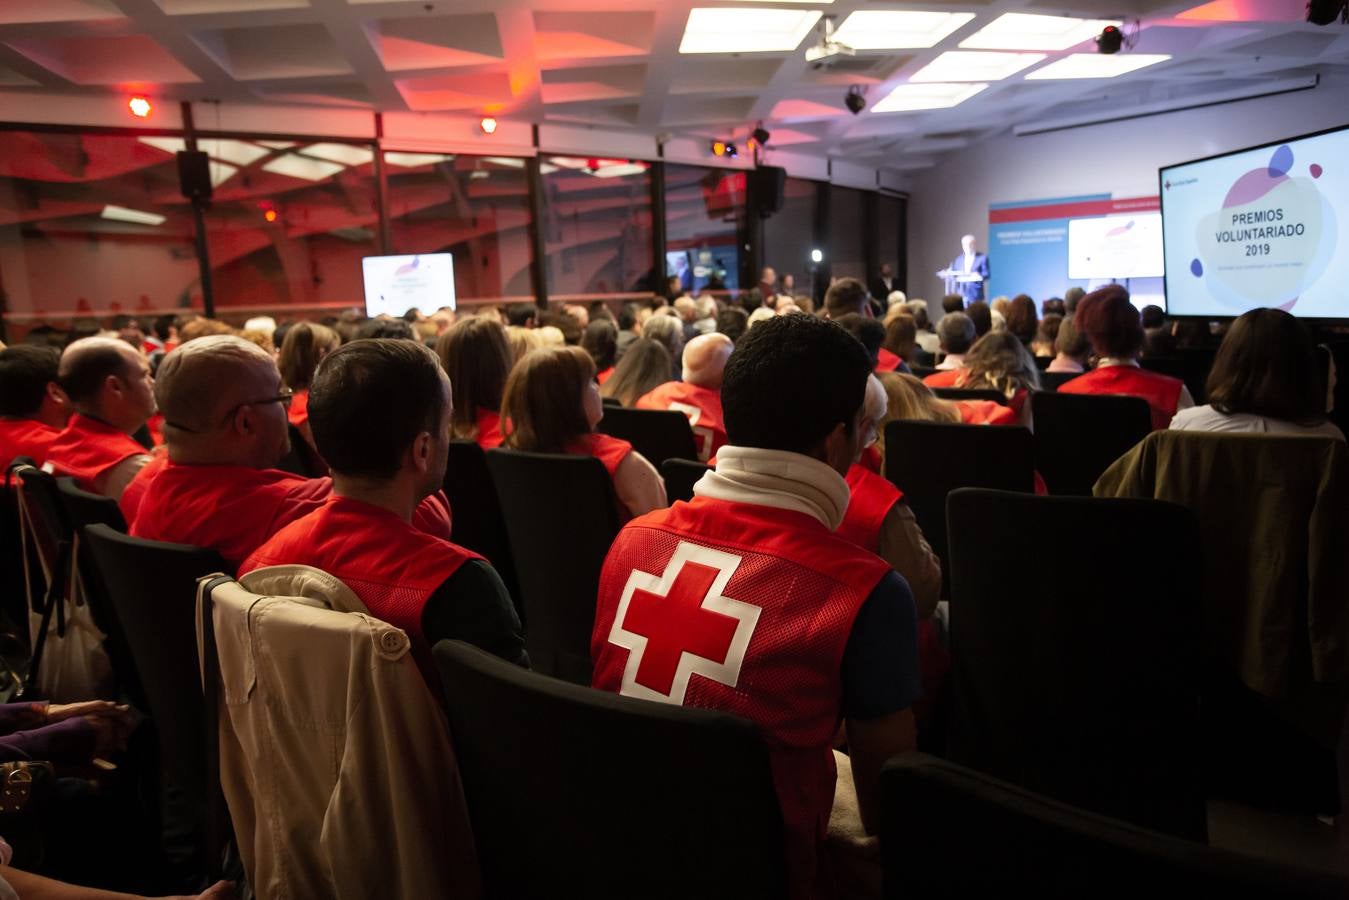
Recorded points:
(1028,245)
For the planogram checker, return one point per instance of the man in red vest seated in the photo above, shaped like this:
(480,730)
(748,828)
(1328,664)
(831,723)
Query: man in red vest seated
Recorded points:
(109,384)
(698,396)
(33,408)
(745,600)
(1115,328)
(956,333)
(380,414)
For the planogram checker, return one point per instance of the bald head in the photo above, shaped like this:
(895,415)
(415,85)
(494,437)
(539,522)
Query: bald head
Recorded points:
(87,364)
(201,381)
(705,359)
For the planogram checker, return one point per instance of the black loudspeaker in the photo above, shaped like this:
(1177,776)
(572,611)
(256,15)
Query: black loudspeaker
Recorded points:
(194,174)
(766,186)
(1325,12)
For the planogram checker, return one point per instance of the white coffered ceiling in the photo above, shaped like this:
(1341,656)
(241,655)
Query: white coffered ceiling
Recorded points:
(617,64)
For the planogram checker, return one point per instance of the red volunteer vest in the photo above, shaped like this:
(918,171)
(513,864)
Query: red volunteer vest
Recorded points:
(872,499)
(944,378)
(608,450)
(986,412)
(603,375)
(230,509)
(747,609)
(887,361)
(391,565)
(134,493)
(1161,391)
(88,448)
(871,459)
(299,407)
(489,428)
(703,407)
(25,437)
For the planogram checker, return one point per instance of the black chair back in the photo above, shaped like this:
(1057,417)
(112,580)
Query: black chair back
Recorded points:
(302,459)
(476,512)
(928,460)
(153,587)
(657,434)
(607,795)
(561,516)
(1052,381)
(680,477)
(952,393)
(921,371)
(1078,436)
(51,535)
(937,817)
(1081,682)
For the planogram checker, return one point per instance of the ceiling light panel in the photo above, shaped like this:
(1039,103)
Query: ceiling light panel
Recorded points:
(1023,31)
(1095,65)
(912,97)
(413,160)
(241,153)
(975,65)
(877,29)
(746,30)
(345,154)
(134,216)
(302,167)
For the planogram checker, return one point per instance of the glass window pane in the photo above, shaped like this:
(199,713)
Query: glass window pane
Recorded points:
(705,227)
(475,207)
(91,224)
(289,223)
(597,227)
(846,255)
(789,234)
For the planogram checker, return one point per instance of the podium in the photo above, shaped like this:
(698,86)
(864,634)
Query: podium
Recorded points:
(955,277)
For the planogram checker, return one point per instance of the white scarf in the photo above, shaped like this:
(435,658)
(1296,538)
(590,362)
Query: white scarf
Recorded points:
(779,479)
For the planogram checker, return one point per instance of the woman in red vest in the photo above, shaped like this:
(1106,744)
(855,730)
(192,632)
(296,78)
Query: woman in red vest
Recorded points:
(477,357)
(644,367)
(1113,325)
(600,340)
(553,405)
(305,345)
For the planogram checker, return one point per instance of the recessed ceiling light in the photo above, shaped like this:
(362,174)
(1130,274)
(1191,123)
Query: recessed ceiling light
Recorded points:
(241,153)
(413,160)
(878,29)
(345,154)
(975,65)
(746,30)
(618,170)
(1094,65)
(134,216)
(304,167)
(908,97)
(1023,31)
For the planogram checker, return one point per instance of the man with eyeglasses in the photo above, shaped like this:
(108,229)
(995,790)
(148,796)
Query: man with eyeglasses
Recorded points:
(226,429)
(108,382)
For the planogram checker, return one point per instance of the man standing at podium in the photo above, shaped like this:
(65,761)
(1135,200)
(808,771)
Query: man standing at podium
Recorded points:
(970,262)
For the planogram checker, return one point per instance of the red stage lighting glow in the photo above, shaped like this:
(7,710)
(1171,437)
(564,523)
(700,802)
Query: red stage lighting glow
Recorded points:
(140,106)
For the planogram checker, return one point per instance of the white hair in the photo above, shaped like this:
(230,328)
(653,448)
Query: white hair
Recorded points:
(874,408)
(264,324)
(762,314)
(968,237)
(896,297)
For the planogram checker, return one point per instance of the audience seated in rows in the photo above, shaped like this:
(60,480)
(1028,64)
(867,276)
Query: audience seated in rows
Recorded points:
(1021,318)
(302,350)
(477,359)
(1072,349)
(553,406)
(732,322)
(846,296)
(642,369)
(111,390)
(666,331)
(910,398)
(957,335)
(981,314)
(952,303)
(1112,324)
(998,361)
(1268,377)
(1157,337)
(600,340)
(1045,335)
(871,335)
(698,396)
(831,630)
(1071,298)
(33,408)
(900,346)
(363,534)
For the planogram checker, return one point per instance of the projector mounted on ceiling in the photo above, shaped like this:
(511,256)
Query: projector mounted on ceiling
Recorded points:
(828,50)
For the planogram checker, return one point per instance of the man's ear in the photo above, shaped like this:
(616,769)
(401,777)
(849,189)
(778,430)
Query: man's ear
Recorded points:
(244,421)
(57,395)
(421,451)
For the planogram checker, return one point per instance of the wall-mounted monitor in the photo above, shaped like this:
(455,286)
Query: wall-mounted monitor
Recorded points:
(395,284)
(1116,247)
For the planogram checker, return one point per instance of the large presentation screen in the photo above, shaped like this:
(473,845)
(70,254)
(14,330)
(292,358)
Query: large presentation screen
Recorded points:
(1127,246)
(395,284)
(1261,227)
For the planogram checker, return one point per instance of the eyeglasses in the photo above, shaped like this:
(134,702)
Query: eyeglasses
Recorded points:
(284,398)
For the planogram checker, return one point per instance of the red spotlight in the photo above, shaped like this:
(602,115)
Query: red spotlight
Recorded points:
(488,125)
(269,215)
(140,106)
(718,148)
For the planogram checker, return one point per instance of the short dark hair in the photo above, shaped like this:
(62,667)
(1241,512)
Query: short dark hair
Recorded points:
(122,320)
(565,322)
(981,316)
(25,372)
(1111,322)
(847,295)
(600,340)
(1053,307)
(627,316)
(955,332)
(870,332)
(1269,365)
(369,400)
(385,329)
(521,313)
(1071,298)
(162,325)
(732,322)
(953,303)
(1153,316)
(83,374)
(790,381)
